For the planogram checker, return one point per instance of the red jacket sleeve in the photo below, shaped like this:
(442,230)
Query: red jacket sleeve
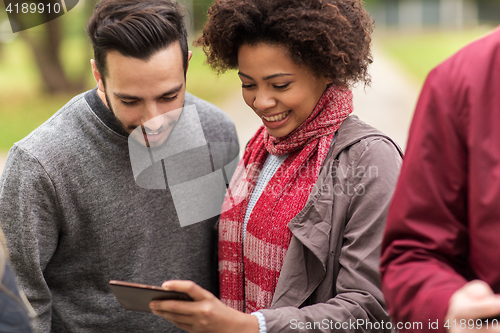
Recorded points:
(443,224)
(425,245)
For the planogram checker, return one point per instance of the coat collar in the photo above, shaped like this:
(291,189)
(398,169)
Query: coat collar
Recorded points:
(354,130)
(305,263)
(310,226)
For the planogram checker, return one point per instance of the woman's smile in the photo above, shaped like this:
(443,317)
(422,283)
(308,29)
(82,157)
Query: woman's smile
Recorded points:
(277,117)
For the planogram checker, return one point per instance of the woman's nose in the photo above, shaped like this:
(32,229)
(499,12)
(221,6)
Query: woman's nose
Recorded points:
(263,101)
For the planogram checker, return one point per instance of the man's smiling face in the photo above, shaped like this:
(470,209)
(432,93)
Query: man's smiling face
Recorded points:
(148,93)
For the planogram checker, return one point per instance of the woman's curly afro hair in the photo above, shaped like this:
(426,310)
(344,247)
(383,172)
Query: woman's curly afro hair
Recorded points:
(331,37)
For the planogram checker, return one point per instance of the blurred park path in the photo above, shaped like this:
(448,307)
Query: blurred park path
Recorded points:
(387,104)
(245,120)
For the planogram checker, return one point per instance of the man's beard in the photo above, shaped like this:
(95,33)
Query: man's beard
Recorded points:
(130,128)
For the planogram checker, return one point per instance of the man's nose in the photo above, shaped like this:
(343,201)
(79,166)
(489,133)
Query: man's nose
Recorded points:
(154,117)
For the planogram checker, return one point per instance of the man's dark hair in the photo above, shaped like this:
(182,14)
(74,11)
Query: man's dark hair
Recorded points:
(136,28)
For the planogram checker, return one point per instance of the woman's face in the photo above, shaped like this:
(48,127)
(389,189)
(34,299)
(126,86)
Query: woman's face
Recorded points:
(282,93)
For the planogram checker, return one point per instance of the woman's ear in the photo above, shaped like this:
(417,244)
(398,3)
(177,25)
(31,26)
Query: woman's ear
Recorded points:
(327,81)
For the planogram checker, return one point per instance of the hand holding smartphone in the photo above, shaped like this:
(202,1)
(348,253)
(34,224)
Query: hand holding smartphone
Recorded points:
(136,296)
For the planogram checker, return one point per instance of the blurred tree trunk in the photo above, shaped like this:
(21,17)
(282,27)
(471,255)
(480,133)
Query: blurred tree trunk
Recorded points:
(46,52)
(45,44)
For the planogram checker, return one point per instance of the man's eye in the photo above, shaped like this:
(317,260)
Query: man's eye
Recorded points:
(129,102)
(169,98)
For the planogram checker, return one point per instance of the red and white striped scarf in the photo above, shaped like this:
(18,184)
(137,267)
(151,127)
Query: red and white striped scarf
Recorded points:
(249,275)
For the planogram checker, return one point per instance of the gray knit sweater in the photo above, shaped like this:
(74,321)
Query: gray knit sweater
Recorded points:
(74,219)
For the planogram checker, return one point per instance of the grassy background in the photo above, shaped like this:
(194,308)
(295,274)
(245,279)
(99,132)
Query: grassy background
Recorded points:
(205,83)
(418,53)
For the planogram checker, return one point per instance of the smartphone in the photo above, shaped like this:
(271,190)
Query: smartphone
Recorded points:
(136,296)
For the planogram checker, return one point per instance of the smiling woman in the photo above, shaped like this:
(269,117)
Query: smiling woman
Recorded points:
(300,233)
(279,91)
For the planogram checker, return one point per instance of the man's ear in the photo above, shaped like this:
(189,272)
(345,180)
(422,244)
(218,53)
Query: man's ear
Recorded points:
(190,55)
(97,76)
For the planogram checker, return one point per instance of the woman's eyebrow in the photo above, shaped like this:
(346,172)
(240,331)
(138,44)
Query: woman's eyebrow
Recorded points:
(267,77)
(277,75)
(247,76)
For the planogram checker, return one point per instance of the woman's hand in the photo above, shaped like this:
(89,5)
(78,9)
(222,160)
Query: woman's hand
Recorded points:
(205,314)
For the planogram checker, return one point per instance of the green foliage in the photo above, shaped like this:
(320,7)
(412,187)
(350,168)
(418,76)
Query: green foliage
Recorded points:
(204,82)
(17,69)
(200,8)
(21,113)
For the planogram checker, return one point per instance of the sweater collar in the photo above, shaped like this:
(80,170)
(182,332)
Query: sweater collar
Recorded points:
(103,113)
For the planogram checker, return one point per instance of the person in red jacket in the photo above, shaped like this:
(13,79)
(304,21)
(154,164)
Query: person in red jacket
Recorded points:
(440,254)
